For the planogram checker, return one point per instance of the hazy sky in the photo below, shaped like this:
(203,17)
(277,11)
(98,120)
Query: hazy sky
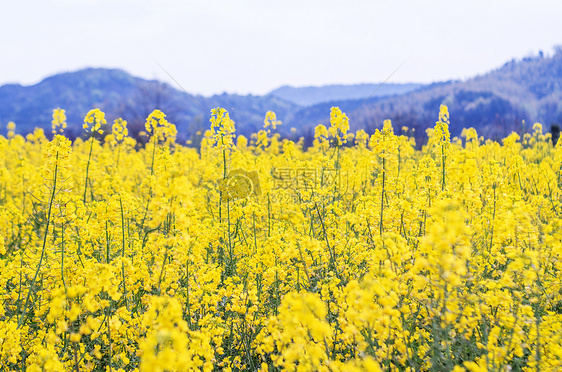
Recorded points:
(212,46)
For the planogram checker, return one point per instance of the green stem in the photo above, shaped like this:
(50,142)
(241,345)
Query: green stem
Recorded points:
(88,166)
(153,157)
(53,193)
(330,250)
(161,276)
(223,177)
(123,249)
(150,189)
(107,241)
(443,158)
(108,317)
(118,156)
(382,193)
(62,259)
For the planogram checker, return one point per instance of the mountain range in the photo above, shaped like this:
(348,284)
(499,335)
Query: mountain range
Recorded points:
(310,96)
(509,98)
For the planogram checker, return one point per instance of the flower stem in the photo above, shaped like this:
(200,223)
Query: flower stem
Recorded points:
(88,167)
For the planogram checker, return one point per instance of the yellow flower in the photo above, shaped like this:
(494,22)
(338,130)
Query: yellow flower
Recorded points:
(94,120)
(339,125)
(11,129)
(222,128)
(320,131)
(119,129)
(59,120)
(160,128)
(271,120)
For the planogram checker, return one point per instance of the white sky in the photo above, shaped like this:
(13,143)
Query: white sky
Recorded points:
(254,46)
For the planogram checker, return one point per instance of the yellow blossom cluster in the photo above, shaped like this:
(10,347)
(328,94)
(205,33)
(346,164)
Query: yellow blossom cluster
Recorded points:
(370,255)
(156,125)
(59,120)
(222,128)
(339,125)
(271,120)
(119,130)
(11,127)
(92,122)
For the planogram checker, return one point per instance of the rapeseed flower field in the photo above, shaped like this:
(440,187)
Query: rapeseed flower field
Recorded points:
(360,253)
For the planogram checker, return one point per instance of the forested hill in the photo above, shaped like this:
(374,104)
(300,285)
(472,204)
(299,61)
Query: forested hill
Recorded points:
(495,103)
(309,96)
